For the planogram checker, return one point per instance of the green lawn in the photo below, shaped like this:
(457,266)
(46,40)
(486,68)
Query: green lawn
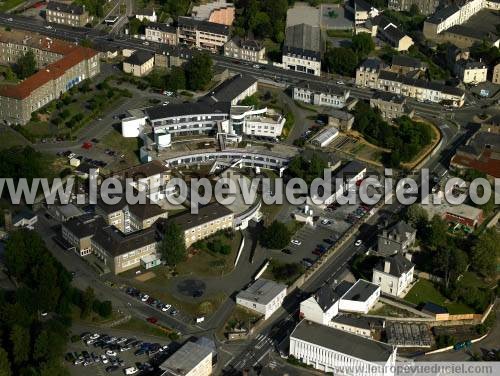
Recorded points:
(425,291)
(209,264)
(140,326)
(339,33)
(10,138)
(128,147)
(9,4)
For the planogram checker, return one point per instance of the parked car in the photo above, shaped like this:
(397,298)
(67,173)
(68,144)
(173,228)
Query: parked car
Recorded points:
(131,370)
(358,242)
(152,320)
(104,359)
(296,242)
(110,353)
(287,251)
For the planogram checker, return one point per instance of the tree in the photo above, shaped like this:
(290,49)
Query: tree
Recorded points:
(5,369)
(173,247)
(341,60)
(41,348)
(199,71)
(88,298)
(416,216)
(362,44)
(25,65)
(451,262)
(105,309)
(485,252)
(251,100)
(20,339)
(176,79)
(9,74)
(134,26)
(435,234)
(275,236)
(414,10)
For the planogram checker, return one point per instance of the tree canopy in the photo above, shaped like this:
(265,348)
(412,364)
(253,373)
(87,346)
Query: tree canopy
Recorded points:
(25,65)
(172,246)
(485,252)
(362,44)
(275,236)
(341,60)
(307,169)
(199,72)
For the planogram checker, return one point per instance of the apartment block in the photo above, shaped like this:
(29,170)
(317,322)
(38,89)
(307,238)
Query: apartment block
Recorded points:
(121,252)
(139,64)
(263,296)
(61,66)
(210,219)
(391,106)
(218,11)
(67,14)
(202,34)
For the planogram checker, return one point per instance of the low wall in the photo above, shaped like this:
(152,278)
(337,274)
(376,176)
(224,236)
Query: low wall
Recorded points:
(240,249)
(428,276)
(405,306)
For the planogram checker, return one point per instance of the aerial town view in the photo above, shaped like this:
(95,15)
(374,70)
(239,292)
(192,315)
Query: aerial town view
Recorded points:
(249,187)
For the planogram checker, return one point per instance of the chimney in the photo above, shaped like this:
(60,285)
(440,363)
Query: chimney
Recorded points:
(7,215)
(387,266)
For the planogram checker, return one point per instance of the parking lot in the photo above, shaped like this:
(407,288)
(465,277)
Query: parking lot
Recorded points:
(100,353)
(309,242)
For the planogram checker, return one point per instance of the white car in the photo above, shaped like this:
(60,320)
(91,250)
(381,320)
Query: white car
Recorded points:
(296,242)
(10,19)
(256,66)
(95,336)
(358,242)
(146,43)
(166,307)
(325,222)
(104,359)
(131,370)
(340,82)
(165,103)
(110,353)
(168,93)
(145,297)
(71,156)
(48,27)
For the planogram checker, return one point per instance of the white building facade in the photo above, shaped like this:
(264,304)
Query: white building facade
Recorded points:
(263,296)
(321,94)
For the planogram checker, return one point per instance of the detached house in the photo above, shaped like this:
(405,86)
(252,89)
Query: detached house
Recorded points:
(396,239)
(322,306)
(394,274)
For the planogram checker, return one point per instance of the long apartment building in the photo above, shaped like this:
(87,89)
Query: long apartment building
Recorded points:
(202,34)
(451,23)
(67,14)
(61,66)
(210,219)
(372,74)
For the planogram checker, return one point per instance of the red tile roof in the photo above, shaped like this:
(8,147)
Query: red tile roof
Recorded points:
(52,71)
(488,162)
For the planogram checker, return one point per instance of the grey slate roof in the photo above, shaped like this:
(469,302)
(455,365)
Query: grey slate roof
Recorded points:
(375,64)
(339,114)
(401,228)
(321,87)
(139,57)
(303,40)
(161,27)
(65,8)
(406,61)
(343,342)
(205,214)
(117,243)
(399,265)
(389,97)
(361,291)
(231,88)
(443,13)
(181,109)
(326,296)
(209,27)
(391,76)
(85,225)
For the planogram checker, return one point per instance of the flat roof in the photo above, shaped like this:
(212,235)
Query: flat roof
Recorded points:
(361,291)
(303,39)
(184,360)
(117,243)
(262,291)
(342,342)
(325,134)
(210,27)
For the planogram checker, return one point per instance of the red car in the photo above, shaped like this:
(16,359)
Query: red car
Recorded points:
(152,320)
(87,145)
